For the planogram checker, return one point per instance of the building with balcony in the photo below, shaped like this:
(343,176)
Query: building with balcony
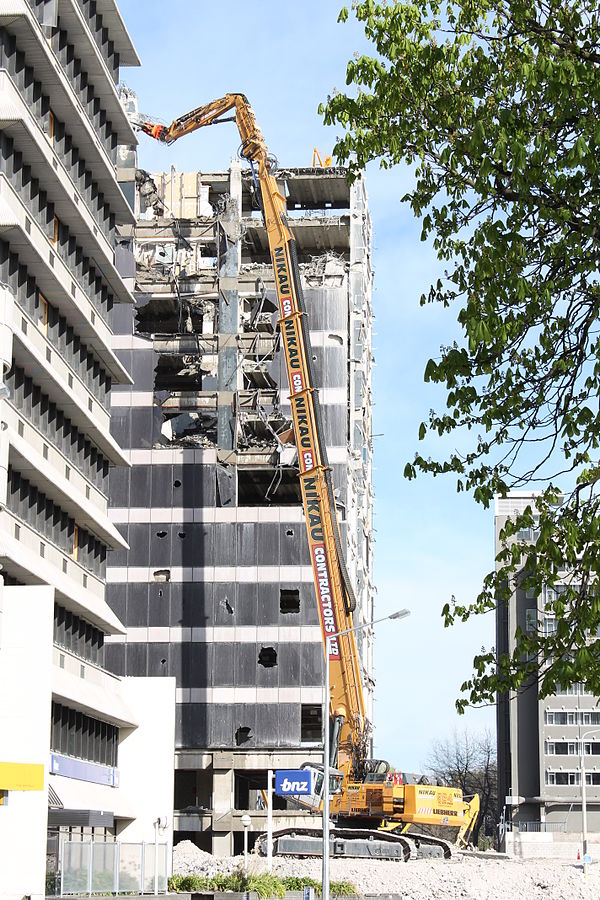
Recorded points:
(539,740)
(72,735)
(216,588)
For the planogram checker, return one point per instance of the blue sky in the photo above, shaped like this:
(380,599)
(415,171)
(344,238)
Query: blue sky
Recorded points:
(431,542)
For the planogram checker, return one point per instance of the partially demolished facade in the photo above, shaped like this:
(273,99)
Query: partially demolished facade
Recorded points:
(216,588)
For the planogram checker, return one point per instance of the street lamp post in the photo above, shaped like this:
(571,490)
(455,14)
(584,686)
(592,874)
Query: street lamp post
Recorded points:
(401,614)
(246,823)
(584,798)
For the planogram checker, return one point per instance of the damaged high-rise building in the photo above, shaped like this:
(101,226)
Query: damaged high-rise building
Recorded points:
(217,587)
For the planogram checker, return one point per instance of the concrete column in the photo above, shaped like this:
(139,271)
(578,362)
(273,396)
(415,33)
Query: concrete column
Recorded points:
(228,374)
(222,803)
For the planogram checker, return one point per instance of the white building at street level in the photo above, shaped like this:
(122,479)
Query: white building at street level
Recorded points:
(78,745)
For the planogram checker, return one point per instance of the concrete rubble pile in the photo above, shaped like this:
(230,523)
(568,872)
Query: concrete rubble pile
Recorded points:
(468,877)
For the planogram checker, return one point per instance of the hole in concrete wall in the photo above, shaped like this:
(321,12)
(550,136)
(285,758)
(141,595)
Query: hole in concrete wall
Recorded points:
(243,735)
(160,593)
(227,605)
(289,600)
(161,534)
(290,532)
(162,575)
(177,483)
(163,661)
(310,722)
(181,534)
(336,338)
(267,657)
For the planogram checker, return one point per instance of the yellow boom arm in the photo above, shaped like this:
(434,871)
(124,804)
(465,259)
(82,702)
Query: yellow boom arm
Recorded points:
(334,593)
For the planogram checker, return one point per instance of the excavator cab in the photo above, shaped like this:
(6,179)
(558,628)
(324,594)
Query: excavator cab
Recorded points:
(314,800)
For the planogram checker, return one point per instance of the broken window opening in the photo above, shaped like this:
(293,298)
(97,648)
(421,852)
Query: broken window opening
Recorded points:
(250,791)
(185,372)
(243,735)
(193,789)
(267,657)
(225,485)
(264,429)
(256,376)
(289,600)
(311,723)
(189,429)
(256,486)
(176,314)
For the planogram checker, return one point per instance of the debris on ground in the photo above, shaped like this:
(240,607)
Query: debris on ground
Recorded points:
(476,877)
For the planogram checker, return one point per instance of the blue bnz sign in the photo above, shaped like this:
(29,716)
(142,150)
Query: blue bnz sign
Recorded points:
(293,781)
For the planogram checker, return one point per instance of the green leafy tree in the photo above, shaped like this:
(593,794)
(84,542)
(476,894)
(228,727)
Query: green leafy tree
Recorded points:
(495,106)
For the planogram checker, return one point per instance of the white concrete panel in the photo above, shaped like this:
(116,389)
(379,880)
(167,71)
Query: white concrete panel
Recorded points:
(25,698)
(142,574)
(146,758)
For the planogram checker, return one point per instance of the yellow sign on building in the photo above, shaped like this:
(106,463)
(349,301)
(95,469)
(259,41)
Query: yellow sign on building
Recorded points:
(21,776)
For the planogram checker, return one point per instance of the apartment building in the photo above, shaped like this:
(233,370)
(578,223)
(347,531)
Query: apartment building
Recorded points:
(72,735)
(539,740)
(217,588)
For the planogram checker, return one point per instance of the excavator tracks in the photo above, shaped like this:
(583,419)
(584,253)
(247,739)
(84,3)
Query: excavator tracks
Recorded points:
(357,843)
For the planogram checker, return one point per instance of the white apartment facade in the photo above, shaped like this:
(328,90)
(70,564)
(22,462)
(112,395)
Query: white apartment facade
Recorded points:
(74,739)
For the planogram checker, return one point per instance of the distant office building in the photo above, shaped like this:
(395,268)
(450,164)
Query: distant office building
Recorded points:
(539,741)
(65,766)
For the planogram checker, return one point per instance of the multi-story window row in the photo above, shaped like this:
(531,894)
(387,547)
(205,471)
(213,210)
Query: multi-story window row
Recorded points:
(32,403)
(37,510)
(95,23)
(77,74)
(83,737)
(62,143)
(78,77)
(571,717)
(564,779)
(54,326)
(41,209)
(571,748)
(78,636)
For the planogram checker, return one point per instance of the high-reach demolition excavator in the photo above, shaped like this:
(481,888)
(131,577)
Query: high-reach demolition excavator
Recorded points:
(373,807)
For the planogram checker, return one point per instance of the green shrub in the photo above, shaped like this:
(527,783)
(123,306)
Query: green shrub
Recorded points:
(265,885)
(341,888)
(296,883)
